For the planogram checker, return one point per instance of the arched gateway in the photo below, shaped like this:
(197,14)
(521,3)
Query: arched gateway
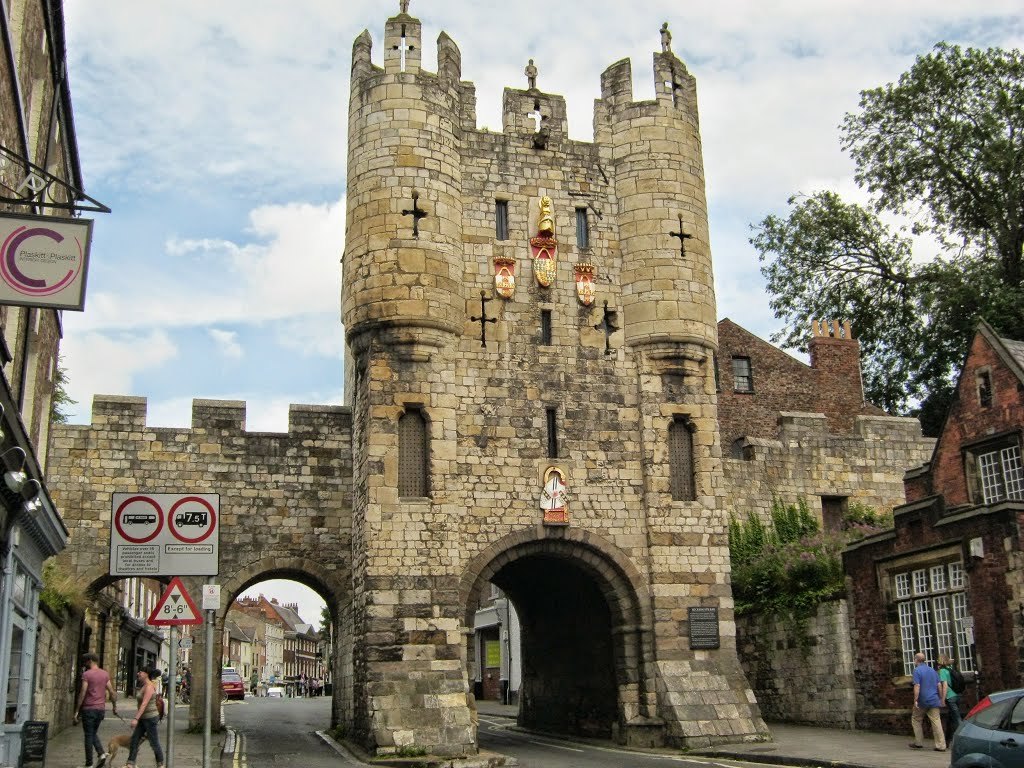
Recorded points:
(530,337)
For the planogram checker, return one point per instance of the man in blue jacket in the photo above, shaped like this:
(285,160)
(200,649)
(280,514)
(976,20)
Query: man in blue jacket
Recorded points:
(926,702)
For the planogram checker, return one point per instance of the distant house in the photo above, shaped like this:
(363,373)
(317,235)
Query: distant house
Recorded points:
(949,577)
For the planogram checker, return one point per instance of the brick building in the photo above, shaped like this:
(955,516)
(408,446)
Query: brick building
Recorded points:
(792,430)
(40,183)
(757,381)
(954,559)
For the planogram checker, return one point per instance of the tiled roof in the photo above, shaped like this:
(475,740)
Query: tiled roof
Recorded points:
(1016,349)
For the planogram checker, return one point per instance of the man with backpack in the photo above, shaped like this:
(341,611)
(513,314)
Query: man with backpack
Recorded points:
(952,680)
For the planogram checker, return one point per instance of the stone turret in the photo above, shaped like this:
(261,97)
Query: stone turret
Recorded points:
(402,263)
(668,299)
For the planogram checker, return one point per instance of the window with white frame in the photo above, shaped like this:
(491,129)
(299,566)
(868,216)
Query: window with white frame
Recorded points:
(994,470)
(932,606)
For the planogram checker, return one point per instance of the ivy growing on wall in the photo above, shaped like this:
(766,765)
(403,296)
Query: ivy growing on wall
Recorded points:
(788,565)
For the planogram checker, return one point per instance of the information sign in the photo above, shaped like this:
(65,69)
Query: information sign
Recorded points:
(164,534)
(33,741)
(703,623)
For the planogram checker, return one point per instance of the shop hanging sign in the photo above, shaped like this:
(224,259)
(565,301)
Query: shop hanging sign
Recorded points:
(44,261)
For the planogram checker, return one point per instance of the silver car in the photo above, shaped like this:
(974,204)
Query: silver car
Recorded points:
(992,734)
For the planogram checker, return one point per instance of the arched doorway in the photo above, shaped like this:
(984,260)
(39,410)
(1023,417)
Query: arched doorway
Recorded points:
(582,612)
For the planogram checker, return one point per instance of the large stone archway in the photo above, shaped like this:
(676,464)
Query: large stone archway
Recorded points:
(587,631)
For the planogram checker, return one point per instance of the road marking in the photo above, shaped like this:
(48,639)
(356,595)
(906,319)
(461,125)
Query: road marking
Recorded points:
(238,758)
(554,746)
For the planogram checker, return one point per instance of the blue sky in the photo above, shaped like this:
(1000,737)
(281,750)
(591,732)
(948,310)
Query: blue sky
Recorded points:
(216,131)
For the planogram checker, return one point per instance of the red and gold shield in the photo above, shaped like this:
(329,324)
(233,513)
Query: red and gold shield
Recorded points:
(505,276)
(544,249)
(585,288)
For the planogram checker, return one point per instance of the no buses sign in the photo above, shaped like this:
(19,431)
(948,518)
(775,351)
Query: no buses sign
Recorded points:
(164,534)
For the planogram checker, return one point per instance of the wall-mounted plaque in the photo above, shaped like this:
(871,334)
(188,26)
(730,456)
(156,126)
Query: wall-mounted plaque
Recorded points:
(704,628)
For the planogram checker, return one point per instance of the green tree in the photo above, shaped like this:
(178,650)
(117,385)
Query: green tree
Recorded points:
(61,399)
(943,148)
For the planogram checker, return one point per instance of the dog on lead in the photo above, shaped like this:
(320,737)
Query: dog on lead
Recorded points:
(121,740)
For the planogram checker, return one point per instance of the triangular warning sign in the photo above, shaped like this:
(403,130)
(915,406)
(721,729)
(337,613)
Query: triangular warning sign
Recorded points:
(175,607)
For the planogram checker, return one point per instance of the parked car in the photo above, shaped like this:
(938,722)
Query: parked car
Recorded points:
(275,692)
(992,734)
(231,685)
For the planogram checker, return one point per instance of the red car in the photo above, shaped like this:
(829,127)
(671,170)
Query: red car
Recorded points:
(231,685)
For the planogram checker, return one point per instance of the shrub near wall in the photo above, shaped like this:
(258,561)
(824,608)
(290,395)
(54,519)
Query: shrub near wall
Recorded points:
(800,674)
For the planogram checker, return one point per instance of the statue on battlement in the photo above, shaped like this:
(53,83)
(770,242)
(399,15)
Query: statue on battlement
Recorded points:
(666,39)
(531,75)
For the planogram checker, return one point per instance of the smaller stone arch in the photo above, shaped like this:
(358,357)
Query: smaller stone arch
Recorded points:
(328,583)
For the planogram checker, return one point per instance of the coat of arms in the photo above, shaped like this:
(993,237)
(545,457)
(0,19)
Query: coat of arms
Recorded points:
(544,247)
(585,289)
(505,276)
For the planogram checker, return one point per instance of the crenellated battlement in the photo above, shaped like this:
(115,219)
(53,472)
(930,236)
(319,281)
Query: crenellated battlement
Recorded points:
(523,110)
(124,413)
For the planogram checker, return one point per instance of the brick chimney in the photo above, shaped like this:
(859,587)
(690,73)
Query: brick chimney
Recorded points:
(835,360)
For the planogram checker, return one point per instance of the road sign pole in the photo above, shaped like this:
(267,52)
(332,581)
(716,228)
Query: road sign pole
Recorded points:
(209,689)
(171,688)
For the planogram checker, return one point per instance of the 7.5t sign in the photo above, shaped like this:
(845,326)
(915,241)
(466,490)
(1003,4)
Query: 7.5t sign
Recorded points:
(164,534)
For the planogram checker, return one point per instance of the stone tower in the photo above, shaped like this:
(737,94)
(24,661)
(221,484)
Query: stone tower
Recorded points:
(531,319)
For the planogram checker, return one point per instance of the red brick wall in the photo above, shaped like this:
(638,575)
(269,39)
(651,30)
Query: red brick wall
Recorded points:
(884,693)
(830,385)
(968,421)
(840,393)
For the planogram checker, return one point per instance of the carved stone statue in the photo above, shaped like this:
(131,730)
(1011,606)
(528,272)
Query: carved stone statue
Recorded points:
(404,6)
(666,39)
(531,75)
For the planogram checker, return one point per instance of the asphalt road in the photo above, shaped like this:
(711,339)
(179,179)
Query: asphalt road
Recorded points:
(281,732)
(497,734)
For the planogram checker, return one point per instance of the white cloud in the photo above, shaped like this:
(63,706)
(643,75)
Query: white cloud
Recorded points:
(98,363)
(227,343)
(245,100)
(286,264)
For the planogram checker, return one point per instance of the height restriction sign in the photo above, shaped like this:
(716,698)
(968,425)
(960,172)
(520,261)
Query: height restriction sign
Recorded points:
(164,534)
(175,607)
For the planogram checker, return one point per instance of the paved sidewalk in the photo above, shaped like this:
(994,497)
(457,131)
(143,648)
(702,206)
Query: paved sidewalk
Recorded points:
(809,746)
(67,748)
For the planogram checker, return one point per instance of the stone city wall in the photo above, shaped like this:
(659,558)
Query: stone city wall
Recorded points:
(809,462)
(801,673)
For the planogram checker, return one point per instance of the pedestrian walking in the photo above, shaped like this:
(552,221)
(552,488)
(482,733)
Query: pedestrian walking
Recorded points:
(927,688)
(91,706)
(146,718)
(950,698)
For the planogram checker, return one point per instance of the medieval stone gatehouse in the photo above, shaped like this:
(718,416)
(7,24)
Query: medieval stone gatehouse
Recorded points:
(531,328)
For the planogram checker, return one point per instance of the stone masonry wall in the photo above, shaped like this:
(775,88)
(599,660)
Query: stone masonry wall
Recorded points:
(285,499)
(802,674)
(810,462)
(56,665)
